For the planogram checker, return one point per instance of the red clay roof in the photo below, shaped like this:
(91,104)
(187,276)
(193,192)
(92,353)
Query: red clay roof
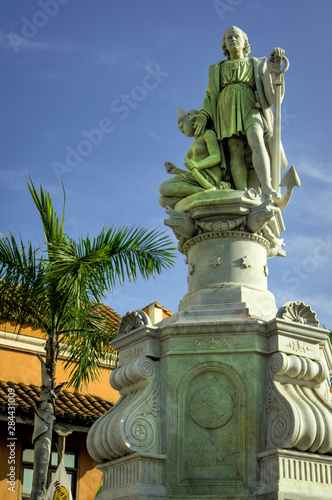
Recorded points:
(105,310)
(112,316)
(166,311)
(76,408)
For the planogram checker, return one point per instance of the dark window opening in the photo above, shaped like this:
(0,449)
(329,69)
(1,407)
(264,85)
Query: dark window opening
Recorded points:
(70,462)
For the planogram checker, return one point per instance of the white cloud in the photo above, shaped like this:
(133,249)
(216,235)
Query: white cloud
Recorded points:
(9,42)
(318,171)
(98,56)
(153,135)
(14,180)
(111,57)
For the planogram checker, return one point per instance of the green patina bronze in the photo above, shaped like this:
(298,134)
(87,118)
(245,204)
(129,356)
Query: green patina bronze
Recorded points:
(235,119)
(205,161)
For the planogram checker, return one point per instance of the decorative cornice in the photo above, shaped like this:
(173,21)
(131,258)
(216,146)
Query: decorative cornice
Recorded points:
(20,342)
(34,345)
(236,235)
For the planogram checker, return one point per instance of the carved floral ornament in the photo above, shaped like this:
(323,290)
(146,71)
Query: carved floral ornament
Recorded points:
(298,312)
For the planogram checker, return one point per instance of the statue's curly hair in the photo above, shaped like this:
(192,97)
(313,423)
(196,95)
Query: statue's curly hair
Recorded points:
(246,49)
(189,115)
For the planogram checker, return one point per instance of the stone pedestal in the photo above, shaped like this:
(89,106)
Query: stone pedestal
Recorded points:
(232,409)
(138,476)
(229,398)
(227,277)
(293,475)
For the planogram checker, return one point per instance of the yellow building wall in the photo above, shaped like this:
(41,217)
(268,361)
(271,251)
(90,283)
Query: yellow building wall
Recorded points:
(17,366)
(23,366)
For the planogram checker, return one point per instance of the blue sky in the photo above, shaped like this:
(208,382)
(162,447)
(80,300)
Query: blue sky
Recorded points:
(90,89)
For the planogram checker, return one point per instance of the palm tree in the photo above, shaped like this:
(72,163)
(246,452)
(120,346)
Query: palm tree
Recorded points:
(60,287)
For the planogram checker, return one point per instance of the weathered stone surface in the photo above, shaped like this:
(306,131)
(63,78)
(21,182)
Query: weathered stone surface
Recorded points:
(136,477)
(292,475)
(230,401)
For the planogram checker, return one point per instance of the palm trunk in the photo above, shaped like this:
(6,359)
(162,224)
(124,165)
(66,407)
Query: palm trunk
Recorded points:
(42,447)
(44,420)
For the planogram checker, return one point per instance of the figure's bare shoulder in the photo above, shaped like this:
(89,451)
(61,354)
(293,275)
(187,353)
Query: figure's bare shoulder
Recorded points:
(210,135)
(210,138)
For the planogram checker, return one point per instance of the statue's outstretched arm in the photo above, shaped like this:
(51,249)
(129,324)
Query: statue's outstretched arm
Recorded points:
(172,169)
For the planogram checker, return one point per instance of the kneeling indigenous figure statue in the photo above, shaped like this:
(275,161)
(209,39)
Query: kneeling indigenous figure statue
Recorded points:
(230,396)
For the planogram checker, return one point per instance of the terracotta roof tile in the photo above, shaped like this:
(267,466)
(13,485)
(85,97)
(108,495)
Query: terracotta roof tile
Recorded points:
(81,409)
(166,311)
(106,310)
(111,315)
(157,304)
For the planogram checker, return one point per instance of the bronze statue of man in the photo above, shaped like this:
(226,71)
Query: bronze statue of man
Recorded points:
(238,104)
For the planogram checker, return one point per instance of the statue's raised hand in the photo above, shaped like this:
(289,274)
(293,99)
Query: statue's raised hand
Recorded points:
(275,62)
(276,57)
(170,167)
(200,124)
(277,52)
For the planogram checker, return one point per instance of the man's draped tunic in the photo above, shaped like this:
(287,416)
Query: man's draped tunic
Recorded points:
(230,101)
(236,103)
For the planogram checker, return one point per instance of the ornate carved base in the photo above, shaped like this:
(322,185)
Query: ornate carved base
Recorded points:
(135,477)
(292,475)
(219,409)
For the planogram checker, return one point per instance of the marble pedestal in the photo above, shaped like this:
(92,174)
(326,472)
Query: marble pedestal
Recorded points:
(219,410)
(229,398)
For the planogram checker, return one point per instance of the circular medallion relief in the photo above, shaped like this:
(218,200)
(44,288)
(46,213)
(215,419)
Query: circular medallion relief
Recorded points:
(211,407)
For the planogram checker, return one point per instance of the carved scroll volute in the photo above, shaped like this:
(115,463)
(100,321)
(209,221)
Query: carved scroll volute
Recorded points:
(133,423)
(298,415)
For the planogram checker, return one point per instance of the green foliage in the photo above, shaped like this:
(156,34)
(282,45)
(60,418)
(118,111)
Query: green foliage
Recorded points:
(62,288)
(49,218)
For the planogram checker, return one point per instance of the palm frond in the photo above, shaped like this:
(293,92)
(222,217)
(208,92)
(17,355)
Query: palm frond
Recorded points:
(88,347)
(22,286)
(142,250)
(50,220)
(61,290)
(114,256)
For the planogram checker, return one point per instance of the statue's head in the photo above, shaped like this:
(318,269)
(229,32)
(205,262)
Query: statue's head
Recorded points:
(246,46)
(186,121)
